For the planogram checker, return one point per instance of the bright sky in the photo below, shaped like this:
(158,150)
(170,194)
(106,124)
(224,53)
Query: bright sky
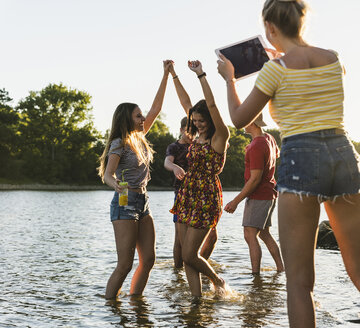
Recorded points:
(113,49)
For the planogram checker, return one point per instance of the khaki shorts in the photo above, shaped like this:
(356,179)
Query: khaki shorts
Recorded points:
(257,213)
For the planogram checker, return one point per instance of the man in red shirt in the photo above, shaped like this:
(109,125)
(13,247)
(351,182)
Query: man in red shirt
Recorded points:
(259,189)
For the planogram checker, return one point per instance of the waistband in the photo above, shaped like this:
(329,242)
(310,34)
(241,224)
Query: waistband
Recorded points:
(141,190)
(319,133)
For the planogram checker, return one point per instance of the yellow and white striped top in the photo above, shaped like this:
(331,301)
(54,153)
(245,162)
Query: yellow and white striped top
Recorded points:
(304,100)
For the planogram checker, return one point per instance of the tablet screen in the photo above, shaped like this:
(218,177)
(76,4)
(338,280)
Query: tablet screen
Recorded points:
(247,57)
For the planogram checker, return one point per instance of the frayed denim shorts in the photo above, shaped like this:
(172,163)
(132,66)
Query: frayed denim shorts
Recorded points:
(322,163)
(137,208)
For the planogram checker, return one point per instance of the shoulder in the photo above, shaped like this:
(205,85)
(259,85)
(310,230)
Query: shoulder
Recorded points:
(269,78)
(309,57)
(117,142)
(260,143)
(116,146)
(172,147)
(272,66)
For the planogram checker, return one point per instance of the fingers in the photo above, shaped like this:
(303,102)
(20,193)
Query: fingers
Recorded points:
(193,64)
(167,64)
(228,208)
(223,58)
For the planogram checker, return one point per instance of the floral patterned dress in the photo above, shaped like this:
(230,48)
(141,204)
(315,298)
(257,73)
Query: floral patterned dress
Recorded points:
(199,199)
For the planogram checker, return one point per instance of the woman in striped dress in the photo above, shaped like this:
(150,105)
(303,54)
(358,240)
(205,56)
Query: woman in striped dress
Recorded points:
(304,88)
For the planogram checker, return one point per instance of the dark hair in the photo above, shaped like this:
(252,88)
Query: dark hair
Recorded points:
(202,109)
(288,16)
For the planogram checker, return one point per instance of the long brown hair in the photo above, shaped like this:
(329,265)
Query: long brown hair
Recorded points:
(123,127)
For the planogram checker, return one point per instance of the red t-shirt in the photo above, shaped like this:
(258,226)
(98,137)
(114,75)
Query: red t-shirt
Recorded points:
(261,154)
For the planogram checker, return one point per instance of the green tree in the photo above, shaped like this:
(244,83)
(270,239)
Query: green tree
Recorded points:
(9,120)
(357,146)
(58,136)
(160,138)
(233,173)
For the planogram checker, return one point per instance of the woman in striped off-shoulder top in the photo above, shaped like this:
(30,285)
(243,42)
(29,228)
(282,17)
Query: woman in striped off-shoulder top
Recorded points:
(304,88)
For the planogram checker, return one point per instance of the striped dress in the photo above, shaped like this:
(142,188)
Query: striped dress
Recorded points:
(303,100)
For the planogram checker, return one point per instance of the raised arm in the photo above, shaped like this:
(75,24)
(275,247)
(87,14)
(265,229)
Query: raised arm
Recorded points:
(183,96)
(221,130)
(159,98)
(242,114)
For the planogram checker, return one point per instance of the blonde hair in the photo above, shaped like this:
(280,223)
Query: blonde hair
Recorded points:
(287,15)
(123,127)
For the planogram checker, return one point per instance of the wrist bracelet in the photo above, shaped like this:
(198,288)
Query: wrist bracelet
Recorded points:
(175,77)
(201,75)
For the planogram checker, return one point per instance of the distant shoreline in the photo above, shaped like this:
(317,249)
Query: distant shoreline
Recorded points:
(64,187)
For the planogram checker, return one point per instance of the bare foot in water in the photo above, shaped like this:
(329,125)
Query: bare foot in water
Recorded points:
(220,287)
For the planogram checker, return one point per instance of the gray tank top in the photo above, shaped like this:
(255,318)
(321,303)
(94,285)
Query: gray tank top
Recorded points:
(137,176)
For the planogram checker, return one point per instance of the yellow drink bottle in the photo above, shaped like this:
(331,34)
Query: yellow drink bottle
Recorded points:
(123,196)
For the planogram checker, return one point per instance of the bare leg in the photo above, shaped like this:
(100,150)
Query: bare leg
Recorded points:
(298,224)
(344,217)
(145,245)
(178,261)
(209,244)
(273,248)
(192,275)
(125,239)
(191,241)
(250,235)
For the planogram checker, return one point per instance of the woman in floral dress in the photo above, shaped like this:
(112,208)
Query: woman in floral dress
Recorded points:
(199,201)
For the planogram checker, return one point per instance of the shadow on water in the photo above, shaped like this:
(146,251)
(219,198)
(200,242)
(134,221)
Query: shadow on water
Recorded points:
(261,300)
(133,311)
(190,311)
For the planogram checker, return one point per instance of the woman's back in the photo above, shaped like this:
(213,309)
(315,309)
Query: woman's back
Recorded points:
(306,90)
(309,57)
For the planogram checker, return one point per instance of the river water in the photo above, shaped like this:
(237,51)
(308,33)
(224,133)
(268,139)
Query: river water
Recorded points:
(57,251)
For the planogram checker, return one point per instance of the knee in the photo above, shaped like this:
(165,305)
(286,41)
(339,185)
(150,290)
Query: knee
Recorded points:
(213,237)
(188,256)
(177,242)
(148,261)
(264,235)
(123,269)
(250,237)
(300,281)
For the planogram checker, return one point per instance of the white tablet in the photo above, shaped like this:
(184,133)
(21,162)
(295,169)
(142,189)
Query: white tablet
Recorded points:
(247,56)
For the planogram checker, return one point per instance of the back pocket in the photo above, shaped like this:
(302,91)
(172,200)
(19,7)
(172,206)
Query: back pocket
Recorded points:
(301,167)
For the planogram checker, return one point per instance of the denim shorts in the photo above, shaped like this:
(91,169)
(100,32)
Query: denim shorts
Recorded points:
(175,215)
(322,163)
(137,208)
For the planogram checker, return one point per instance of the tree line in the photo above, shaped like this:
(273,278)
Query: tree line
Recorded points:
(49,137)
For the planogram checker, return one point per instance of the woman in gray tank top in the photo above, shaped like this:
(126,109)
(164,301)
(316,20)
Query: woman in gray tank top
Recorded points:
(128,154)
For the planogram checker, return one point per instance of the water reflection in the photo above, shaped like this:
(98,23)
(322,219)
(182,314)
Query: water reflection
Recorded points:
(57,249)
(132,310)
(261,300)
(200,313)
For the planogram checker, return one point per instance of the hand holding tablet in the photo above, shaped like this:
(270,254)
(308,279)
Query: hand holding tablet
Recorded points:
(247,57)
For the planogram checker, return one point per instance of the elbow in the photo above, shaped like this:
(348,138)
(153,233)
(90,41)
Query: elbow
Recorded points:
(239,123)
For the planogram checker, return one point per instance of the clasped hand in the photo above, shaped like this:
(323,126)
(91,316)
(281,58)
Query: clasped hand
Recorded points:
(195,66)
